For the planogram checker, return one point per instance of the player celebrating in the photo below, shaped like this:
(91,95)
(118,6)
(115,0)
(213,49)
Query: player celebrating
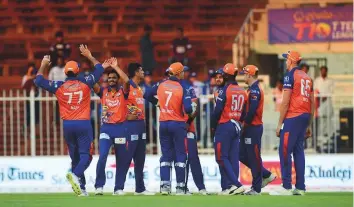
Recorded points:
(74,99)
(171,96)
(227,128)
(135,125)
(294,124)
(112,131)
(250,144)
(193,158)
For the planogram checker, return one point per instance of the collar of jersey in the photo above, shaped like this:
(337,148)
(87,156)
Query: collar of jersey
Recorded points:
(110,88)
(233,83)
(72,78)
(294,68)
(172,78)
(254,84)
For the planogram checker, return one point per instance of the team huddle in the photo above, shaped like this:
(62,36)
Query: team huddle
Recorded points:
(236,126)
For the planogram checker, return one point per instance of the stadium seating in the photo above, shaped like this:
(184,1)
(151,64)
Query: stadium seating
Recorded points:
(114,28)
(110,28)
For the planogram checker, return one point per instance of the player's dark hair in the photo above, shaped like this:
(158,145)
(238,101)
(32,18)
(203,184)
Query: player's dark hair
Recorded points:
(71,74)
(114,72)
(324,67)
(228,77)
(132,68)
(298,62)
(180,29)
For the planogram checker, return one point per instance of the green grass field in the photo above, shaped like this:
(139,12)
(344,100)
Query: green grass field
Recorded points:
(67,200)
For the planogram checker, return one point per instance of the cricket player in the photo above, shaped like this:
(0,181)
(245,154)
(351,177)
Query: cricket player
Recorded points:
(135,125)
(173,101)
(296,113)
(112,131)
(74,97)
(226,126)
(250,144)
(219,80)
(193,157)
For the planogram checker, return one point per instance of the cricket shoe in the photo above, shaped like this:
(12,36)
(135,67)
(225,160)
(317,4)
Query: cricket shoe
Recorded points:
(251,192)
(74,182)
(298,192)
(182,191)
(234,190)
(204,192)
(165,189)
(266,181)
(84,193)
(144,193)
(282,192)
(118,193)
(99,191)
(224,192)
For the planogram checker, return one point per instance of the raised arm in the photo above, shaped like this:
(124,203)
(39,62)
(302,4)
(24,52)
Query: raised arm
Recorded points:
(122,75)
(95,76)
(44,64)
(40,81)
(87,53)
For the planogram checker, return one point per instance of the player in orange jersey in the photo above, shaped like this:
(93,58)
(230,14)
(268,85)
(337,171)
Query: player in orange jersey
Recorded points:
(135,126)
(296,113)
(226,125)
(174,101)
(113,131)
(250,144)
(74,97)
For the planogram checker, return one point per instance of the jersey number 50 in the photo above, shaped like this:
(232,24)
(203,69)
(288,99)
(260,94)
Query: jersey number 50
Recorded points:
(237,102)
(70,98)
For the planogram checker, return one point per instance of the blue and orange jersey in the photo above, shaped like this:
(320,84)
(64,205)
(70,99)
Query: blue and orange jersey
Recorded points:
(174,100)
(302,88)
(114,104)
(230,104)
(73,94)
(254,105)
(135,101)
(216,92)
(188,86)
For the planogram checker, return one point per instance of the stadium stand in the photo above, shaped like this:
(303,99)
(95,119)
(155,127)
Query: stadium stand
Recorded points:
(99,23)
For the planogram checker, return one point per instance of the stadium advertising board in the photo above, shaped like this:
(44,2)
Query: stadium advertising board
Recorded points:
(47,174)
(298,25)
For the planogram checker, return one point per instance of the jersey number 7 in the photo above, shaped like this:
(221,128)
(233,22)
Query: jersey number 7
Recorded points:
(70,96)
(169,94)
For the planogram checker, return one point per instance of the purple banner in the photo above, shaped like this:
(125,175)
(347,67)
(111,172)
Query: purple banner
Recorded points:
(310,25)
